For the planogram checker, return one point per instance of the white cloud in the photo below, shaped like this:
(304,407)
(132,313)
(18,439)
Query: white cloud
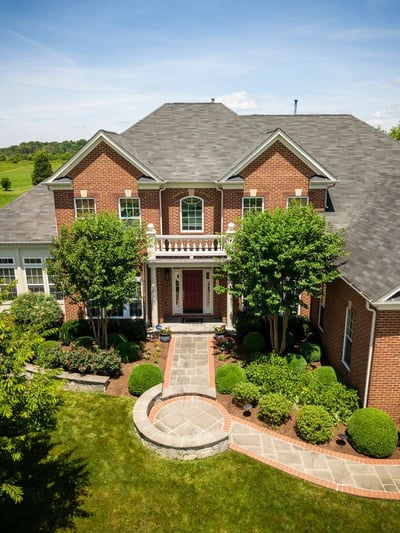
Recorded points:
(239,100)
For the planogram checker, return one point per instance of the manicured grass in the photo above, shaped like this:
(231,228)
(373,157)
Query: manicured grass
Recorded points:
(20,175)
(128,488)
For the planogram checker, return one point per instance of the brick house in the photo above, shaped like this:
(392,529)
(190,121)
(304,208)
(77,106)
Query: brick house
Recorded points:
(188,172)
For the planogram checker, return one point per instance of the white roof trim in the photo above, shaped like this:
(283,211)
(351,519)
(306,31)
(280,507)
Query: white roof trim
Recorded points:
(280,135)
(101,136)
(384,299)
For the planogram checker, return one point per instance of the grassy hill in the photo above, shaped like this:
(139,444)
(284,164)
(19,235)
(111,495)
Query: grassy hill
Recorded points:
(20,176)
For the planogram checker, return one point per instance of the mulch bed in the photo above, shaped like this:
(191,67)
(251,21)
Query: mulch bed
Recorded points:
(156,352)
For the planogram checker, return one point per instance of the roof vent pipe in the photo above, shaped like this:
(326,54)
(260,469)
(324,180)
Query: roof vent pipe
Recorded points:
(295,106)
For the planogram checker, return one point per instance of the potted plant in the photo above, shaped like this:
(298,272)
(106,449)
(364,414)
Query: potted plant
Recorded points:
(165,334)
(220,330)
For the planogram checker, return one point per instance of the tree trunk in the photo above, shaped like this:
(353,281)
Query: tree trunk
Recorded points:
(285,321)
(273,321)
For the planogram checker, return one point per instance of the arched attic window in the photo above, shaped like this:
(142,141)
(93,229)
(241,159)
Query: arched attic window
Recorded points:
(192,214)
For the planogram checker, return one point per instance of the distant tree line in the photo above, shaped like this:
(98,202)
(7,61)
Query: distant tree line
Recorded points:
(27,150)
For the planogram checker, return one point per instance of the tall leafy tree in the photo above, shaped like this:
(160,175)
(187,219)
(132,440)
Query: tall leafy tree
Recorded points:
(274,257)
(395,132)
(95,262)
(42,168)
(27,406)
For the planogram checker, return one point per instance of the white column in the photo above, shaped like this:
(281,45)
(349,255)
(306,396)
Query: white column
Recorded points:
(151,241)
(229,298)
(153,296)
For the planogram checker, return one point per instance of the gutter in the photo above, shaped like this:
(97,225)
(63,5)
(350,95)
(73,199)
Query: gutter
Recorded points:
(221,190)
(370,352)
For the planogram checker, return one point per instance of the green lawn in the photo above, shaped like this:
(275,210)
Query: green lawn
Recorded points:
(20,175)
(101,479)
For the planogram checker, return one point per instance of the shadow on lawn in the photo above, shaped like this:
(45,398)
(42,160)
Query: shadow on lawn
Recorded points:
(54,491)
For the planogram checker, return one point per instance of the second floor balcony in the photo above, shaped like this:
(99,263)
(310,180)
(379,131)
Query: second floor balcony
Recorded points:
(186,246)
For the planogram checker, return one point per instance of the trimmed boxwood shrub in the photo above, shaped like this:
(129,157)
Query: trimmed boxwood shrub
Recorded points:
(372,432)
(72,329)
(228,376)
(253,342)
(274,409)
(299,326)
(143,377)
(245,392)
(36,309)
(129,351)
(116,338)
(310,351)
(296,362)
(246,321)
(338,399)
(85,341)
(326,375)
(48,354)
(134,330)
(314,424)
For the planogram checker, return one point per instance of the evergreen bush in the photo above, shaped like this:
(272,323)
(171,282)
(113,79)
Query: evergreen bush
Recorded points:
(253,342)
(326,375)
(86,341)
(296,362)
(338,399)
(143,377)
(245,392)
(372,432)
(49,354)
(314,424)
(95,361)
(274,409)
(72,329)
(299,326)
(310,351)
(290,340)
(116,338)
(246,321)
(133,330)
(129,351)
(228,376)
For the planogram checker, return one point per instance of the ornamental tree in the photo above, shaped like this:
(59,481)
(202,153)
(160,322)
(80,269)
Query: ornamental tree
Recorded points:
(28,407)
(42,168)
(277,255)
(95,262)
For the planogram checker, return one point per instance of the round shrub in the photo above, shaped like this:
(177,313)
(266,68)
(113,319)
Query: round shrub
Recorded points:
(299,326)
(326,375)
(85,341)
(143,377)
(228,376)
(372,432)
(274,409)
(129,351)
(134,330)
(296,362)
(49,354)
(36,309)
(245,392)
(246,321)
(314,424)
(310,351)
(253,342)
(72,329)
(116,338)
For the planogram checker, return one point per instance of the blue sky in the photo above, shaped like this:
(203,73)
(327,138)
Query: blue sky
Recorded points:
(68,69)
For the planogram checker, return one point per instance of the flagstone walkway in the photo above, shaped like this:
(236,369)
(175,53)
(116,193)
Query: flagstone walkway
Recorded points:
(196,422)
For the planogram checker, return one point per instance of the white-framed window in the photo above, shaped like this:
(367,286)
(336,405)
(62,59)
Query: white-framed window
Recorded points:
(251,204)
(301,201)
(58,295)
(132,308)
(7,276)
(192,214)
(34,274)
(129,210)
(84,207)
(348,337)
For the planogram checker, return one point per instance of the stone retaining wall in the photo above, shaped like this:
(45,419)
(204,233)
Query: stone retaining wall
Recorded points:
(73,381)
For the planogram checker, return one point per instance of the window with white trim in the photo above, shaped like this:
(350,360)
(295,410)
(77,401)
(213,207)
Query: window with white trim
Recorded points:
(34,274)
(301,201)
(84,207)
(7,276)
(348,337)
(132,308)
(58,295)
(192,214)
(129,210)
(252,204)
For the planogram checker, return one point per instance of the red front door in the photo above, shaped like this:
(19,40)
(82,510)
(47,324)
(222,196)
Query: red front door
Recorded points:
(192,291)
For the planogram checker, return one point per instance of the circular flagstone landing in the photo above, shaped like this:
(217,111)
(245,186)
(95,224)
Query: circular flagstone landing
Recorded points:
(182,427)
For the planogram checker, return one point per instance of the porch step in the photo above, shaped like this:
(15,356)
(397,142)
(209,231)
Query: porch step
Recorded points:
(191,328)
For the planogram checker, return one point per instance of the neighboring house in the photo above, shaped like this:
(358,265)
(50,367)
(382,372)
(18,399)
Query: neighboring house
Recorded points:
(188,172)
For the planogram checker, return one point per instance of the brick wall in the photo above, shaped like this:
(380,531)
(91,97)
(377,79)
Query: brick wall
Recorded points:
(384,390)
(384,387)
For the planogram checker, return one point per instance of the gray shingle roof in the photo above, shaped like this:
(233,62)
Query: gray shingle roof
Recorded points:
(30,218)
(202,142)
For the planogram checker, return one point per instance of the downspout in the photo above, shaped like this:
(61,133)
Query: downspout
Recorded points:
(160,190)
(221,190)
(370,352)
